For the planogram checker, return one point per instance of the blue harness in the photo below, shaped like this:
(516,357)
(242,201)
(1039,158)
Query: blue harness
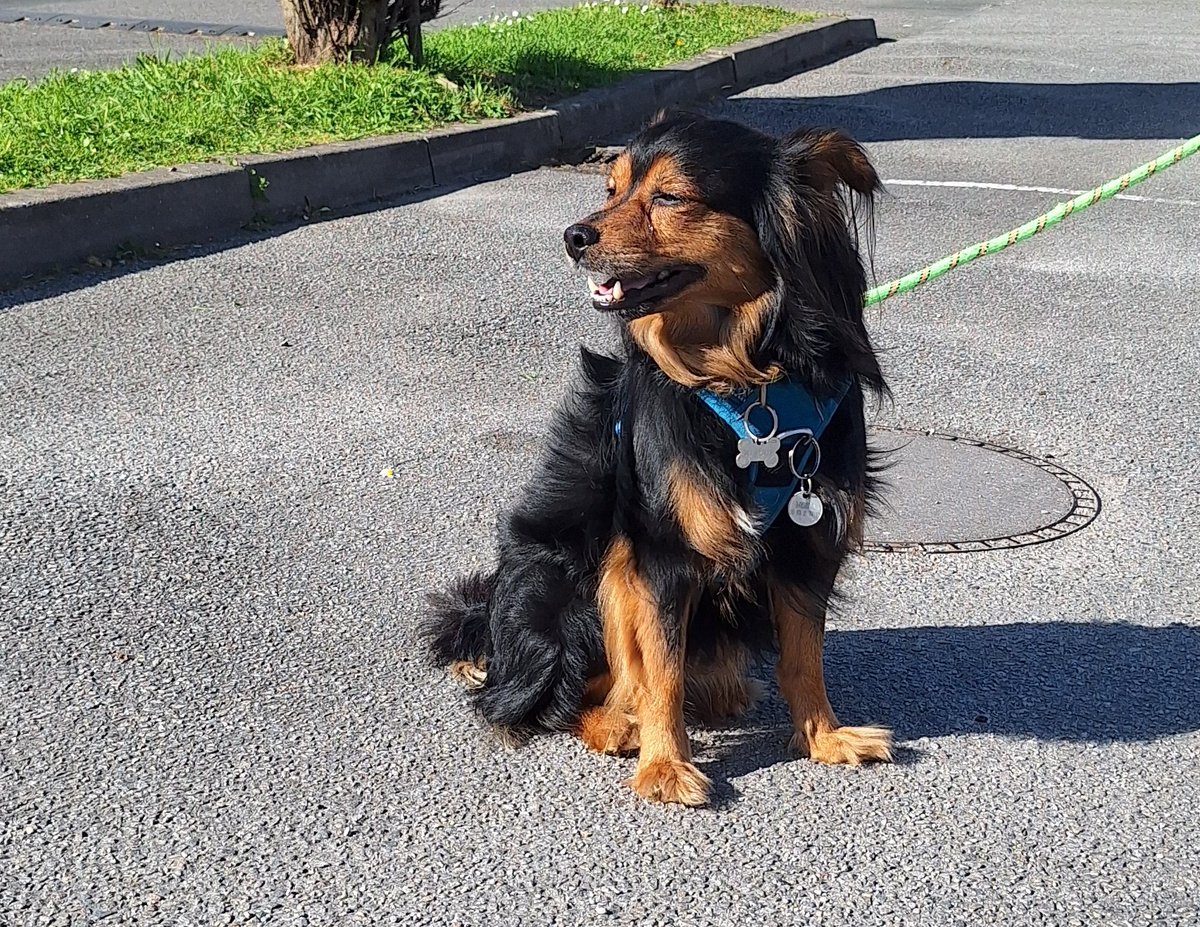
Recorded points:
(798,411)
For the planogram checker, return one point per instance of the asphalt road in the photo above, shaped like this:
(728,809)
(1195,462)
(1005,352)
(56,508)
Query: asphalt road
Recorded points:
(213,707)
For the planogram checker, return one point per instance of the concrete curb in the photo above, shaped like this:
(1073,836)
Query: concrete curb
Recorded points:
(298,183)
(48,229)
(67,223)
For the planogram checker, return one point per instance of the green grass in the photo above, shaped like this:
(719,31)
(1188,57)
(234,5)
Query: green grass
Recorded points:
(560,52)
(160,111)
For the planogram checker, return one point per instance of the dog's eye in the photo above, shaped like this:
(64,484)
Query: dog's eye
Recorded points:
(666,199)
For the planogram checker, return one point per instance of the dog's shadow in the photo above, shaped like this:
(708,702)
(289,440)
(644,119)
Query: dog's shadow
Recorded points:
(1058,681)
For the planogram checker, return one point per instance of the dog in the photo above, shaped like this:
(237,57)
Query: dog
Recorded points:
(641,570)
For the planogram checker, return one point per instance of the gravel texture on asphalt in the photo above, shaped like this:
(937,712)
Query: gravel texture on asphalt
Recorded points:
(214,710)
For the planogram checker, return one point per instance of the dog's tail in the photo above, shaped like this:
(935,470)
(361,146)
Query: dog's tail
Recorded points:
(457,631)
(530,681)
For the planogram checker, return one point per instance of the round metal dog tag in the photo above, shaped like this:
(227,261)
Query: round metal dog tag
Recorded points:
(805,509)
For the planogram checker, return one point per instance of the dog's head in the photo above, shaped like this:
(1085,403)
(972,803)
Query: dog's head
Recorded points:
(731,256)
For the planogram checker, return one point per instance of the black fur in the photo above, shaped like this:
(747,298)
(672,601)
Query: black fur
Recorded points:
(534,620)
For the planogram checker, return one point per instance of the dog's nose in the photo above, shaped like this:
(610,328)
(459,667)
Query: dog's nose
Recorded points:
(579,237)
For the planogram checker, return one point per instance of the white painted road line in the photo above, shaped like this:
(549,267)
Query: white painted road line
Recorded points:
(981,185)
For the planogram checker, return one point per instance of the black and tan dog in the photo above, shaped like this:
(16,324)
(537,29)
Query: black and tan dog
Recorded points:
(650,557)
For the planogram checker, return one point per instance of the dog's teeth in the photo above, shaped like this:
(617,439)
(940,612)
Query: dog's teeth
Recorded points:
(593,286)
(663,274)
(617,293)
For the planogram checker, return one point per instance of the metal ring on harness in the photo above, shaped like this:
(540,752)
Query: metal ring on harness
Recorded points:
(807,440)
(774,421)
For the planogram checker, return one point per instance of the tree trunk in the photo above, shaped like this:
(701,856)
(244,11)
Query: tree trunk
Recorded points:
(321,31)
(416,47)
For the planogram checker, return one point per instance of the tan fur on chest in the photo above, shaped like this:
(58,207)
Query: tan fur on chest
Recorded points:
(718,529)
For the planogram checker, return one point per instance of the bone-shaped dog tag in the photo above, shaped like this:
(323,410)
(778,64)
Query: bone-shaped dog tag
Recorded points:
(751,450)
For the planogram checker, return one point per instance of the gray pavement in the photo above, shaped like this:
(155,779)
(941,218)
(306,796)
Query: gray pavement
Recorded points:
(214,709)
(31,51)
(260,12)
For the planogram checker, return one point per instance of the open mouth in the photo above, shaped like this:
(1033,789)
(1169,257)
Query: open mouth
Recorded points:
(627,292)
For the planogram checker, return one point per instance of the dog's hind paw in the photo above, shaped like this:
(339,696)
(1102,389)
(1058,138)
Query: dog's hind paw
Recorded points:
(671,781)
(469,675)
(851,746)
(608,730)
(724,701)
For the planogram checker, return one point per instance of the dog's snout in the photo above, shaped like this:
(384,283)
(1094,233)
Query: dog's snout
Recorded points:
(579,237)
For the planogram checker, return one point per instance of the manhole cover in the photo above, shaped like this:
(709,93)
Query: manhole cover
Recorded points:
(948,494)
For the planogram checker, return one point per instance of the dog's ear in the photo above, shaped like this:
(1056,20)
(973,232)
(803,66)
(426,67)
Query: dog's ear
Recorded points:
(832,157)
(820,185)
(822,179)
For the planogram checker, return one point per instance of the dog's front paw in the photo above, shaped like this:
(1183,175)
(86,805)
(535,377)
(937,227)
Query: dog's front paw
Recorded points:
(851,746)
(608,730)
(671,781)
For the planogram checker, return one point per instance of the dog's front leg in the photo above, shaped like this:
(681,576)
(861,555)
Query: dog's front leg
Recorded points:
(645,635)
(800,627)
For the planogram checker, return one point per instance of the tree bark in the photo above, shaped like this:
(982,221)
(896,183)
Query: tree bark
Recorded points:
(416,47)
(322,31)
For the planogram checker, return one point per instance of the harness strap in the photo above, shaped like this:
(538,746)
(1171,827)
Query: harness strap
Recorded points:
(798,411)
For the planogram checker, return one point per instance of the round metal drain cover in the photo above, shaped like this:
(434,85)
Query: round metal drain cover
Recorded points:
(947,494)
